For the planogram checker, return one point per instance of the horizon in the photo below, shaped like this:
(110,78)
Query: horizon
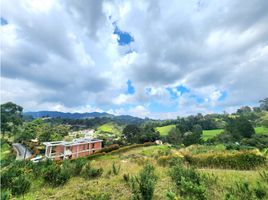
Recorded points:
(143,59)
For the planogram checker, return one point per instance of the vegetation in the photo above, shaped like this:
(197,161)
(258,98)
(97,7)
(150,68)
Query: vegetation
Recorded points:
(215,156)
(143,186)
(164,130)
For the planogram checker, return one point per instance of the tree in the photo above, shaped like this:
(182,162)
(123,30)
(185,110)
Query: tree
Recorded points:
(148,134)
(194,136)
(11,117)
(265,120)
(30,130)
(174,136)
(132,133)
(239,127)
(264,104)
(45,133)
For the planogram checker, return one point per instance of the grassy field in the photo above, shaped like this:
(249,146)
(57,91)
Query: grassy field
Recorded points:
(261,130)
(111,128)
(132,162)
(165,129)
(207,134)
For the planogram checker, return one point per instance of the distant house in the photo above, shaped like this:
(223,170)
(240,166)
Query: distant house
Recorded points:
(59,150)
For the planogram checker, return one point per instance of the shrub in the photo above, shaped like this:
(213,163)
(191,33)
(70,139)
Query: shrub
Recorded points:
(55,176)
(171,196)
(8,175)
(239,191)
(115,169)
(264,176)
(260,191)
(74,167)
(109,148)
(169,160)
(244,191)
(143,185)
(243,160)
(20,185)
(188,182)
(90,172)
(5,195)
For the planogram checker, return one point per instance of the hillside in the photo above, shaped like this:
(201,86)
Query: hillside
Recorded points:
(110,186)
(207,134)
(165,129)
(111,128)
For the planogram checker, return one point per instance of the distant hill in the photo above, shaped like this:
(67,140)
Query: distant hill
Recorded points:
(56,114)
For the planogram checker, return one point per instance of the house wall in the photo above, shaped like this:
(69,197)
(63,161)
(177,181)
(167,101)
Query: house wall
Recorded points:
(84,147)
(58,150)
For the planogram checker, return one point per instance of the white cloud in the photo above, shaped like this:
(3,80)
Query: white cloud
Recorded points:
(66,56)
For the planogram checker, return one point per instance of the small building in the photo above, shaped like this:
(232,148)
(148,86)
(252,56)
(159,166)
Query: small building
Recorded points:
(81,147)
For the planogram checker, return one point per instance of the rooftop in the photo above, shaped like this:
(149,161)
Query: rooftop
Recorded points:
(74,142)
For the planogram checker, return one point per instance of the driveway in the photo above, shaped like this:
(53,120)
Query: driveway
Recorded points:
(21,151)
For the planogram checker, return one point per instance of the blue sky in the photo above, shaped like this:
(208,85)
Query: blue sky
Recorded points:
(145,58)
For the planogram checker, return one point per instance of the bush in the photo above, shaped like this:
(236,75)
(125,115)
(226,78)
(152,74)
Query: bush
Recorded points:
(109,148)
(264,176)
(8,175)
(243,191)
(89,172)
(258,140)
(242,160)
(20,185)
(169,160)
(260,191)
(5,195)
(74,167)
(56,176)
(143,185)
(188,182)
(116,170)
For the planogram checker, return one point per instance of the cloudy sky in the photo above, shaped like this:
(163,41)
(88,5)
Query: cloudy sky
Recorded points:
(155,58)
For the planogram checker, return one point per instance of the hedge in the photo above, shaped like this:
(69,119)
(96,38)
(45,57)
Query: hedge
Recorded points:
(242,160)
(114,149)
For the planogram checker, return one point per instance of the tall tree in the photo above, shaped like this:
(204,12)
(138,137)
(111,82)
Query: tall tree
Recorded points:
(264,104)
(132,133)
(193,137)
(174,136)
(11,117)
(239,127)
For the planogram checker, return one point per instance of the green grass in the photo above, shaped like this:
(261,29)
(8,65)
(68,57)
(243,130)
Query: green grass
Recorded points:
(5,151)
(165,129)
(110,128)
(207,134)
(261,130)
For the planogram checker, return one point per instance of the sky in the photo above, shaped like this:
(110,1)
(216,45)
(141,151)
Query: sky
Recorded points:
(146,58)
